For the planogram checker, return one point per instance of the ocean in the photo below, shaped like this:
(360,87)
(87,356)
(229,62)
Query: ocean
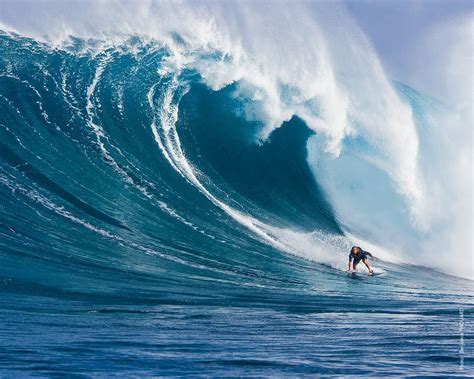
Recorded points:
(159,217)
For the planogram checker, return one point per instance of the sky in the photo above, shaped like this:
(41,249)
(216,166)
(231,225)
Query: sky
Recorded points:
(395,27)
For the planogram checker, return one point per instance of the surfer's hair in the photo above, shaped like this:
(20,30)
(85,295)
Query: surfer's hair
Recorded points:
(356,249)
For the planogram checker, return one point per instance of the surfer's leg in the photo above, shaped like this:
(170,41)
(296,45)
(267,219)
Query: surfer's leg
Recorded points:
(366,262)
(354,265)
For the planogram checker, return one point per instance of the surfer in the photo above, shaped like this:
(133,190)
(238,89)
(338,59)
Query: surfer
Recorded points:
(356,255)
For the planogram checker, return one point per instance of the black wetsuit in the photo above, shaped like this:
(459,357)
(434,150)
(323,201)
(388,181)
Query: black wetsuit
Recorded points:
(362,256)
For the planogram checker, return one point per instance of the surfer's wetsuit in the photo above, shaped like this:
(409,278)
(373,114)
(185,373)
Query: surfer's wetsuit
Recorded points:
(362,256)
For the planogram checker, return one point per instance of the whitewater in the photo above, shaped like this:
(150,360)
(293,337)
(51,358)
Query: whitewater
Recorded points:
(181,184)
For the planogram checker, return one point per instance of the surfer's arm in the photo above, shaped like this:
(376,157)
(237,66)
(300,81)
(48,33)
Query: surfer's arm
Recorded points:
(366,262)
(350,262)
(370,255)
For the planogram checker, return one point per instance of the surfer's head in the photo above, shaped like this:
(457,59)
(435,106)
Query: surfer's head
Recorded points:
(355,249)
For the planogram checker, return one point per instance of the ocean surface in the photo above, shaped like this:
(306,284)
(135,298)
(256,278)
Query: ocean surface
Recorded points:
(151,225)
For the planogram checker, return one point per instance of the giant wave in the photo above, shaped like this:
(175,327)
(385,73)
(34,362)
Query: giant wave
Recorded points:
(153,162)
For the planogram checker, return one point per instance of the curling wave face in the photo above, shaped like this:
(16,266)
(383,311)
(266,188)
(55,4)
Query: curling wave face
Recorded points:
(283,186)
(102,158)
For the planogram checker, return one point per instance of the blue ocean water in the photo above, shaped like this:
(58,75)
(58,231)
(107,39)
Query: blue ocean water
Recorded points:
(139,218)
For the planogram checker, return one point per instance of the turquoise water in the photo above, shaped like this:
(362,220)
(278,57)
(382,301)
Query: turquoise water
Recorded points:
(139,225)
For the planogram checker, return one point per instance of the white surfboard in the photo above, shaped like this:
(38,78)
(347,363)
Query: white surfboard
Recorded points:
(358,273)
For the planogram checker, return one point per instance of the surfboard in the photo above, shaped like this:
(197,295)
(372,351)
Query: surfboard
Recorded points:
(358,273)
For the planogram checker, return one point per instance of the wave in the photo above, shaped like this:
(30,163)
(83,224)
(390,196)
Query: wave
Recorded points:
(171,139)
